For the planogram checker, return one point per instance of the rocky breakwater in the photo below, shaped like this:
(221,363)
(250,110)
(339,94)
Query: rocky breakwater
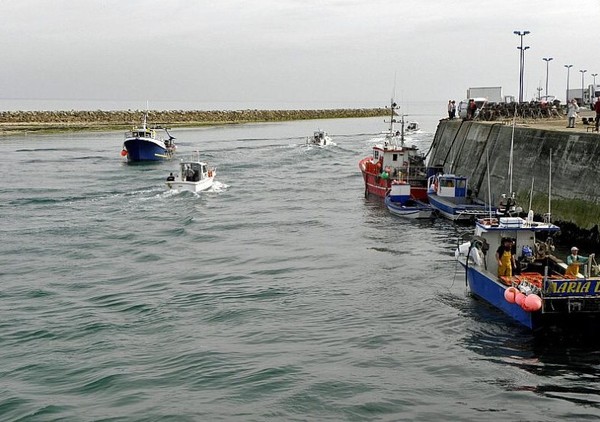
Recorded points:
(461,148)
(11,121)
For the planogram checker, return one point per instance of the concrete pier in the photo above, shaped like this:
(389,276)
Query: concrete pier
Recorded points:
(574,157)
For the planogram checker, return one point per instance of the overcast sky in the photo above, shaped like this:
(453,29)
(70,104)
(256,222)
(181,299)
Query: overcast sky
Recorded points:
(290,51)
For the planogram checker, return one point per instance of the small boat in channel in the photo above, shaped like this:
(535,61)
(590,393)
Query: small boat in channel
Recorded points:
(540,293)
(393,160)
(193,176)
(412,127)
(448,195)
(319,138)
(144,144)
(400,203)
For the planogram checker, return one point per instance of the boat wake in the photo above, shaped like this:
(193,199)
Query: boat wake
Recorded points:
(217,187)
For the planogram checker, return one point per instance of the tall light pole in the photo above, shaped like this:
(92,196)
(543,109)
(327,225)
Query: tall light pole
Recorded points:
(582,77)
(547,60)
(568,66)
(594,76)
(521,62)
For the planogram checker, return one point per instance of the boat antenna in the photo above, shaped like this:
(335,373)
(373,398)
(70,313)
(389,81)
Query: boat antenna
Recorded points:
(402,130)
(145,116)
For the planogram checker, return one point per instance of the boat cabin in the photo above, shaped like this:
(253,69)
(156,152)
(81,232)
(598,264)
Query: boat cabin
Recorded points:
(142,133)
(396,160)
(192,171)
(531,253)
(400,192)
(450,187)
(318,136)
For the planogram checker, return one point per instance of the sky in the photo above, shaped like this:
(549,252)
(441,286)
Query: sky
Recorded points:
(292,52)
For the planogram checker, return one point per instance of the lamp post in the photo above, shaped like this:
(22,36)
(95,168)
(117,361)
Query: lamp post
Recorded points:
(522,49)
(568,66)
(547,60)
(582,78)
(594,91)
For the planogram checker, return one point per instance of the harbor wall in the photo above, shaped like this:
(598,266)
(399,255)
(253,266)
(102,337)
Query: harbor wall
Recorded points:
(465,147)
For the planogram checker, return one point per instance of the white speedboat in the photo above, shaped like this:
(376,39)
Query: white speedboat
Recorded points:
(319,138)
(194,175)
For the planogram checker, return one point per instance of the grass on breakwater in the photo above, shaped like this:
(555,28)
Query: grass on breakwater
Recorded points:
(58,121)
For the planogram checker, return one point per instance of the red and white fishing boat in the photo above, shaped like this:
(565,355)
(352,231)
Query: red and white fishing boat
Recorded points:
(394,161)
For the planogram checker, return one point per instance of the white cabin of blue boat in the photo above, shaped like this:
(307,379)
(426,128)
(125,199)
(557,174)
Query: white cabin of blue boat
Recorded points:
(400,192)
(450,187)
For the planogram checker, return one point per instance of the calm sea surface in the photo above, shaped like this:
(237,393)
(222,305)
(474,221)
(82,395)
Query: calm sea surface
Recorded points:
(282,294)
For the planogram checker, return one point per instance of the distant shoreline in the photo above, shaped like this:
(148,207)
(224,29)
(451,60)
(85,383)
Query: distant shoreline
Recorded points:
(15,122)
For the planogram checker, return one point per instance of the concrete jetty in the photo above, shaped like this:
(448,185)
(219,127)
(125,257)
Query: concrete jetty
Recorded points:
(573,154)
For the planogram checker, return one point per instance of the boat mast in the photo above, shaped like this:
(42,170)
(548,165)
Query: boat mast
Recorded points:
(510,159)
(489,186)
(550,186)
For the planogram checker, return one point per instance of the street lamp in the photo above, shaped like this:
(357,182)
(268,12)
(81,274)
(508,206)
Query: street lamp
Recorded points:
(568,66)
(521,62)
(547,60)
(582,77)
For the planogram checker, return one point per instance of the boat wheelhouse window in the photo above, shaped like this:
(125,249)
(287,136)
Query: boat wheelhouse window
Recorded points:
(376,154)
(394,157)
(447,183)
(461,183)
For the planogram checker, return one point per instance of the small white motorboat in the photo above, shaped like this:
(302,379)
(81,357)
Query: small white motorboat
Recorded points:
(319,138)
(194,175)
(412,127)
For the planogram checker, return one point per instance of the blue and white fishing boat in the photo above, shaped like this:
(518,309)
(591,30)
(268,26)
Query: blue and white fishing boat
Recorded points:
(540,294)
(144,144)
(400,203)
(447,194)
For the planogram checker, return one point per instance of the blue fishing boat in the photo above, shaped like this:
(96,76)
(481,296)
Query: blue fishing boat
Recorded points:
(448,195)
(540,293)
(144,144)
(399,202)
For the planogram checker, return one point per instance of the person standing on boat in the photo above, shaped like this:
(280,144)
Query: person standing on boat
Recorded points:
(453,111)
(506,258)
(574,261)
(170,177)
(450,109)
(572,110)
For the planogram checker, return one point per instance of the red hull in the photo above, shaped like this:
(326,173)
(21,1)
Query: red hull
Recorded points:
(375,185)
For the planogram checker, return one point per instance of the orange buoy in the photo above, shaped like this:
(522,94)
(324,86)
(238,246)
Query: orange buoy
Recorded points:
(510,295)
(123,152)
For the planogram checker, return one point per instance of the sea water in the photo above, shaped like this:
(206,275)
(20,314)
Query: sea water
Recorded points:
(284,294)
